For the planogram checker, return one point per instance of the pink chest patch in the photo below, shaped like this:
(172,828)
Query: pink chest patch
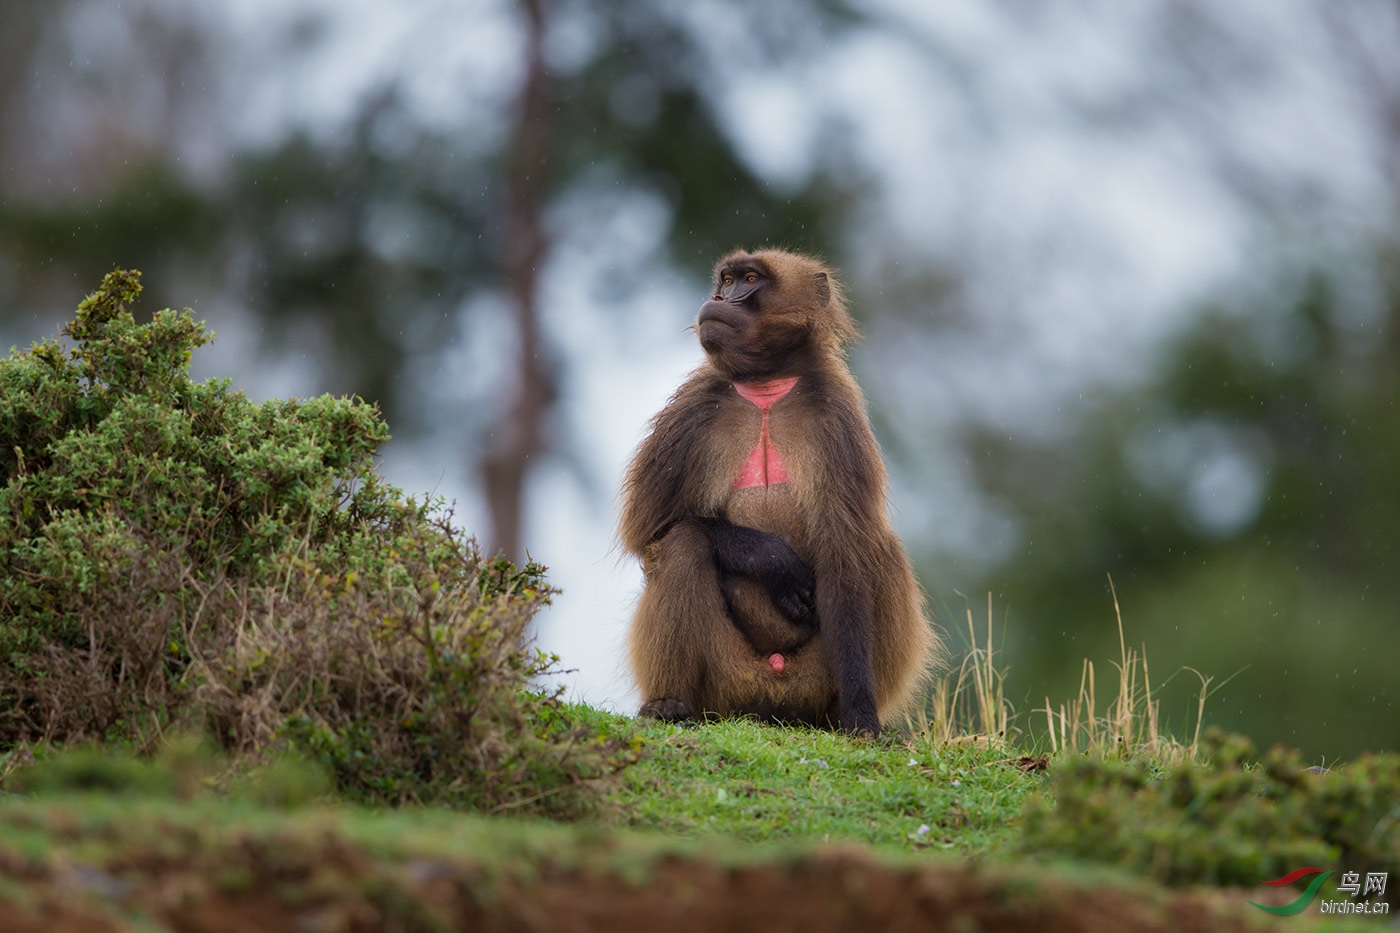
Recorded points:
(764,467)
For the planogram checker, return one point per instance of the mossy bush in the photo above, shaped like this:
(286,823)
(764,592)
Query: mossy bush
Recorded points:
(174,553)
(1224,819)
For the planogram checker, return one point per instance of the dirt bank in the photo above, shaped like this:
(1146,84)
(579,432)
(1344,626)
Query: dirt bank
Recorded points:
(257,886)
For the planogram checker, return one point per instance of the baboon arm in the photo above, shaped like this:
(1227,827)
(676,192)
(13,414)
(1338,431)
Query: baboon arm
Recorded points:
(768,559)
(666,480)
(846,616)
(849,540)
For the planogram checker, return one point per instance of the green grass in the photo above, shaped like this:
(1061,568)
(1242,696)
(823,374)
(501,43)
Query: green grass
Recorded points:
(733,780)
(756,783)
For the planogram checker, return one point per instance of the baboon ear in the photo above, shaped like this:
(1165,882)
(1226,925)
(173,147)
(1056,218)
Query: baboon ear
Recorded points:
(823,289)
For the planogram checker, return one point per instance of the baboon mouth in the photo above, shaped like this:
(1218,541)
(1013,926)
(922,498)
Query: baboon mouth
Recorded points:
(712,319)
(711,340)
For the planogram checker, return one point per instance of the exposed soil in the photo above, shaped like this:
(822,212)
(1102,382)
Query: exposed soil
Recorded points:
(256,886)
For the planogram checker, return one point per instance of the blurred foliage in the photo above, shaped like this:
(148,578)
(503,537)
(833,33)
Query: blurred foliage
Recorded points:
(1226,821)
(92,769)
(173,554)
(379,235)
(151,217)
(373,250)
(646,112)
(1245,499)
(182,767)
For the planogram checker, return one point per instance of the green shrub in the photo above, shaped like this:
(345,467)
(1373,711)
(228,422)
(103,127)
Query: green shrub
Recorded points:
(1222,820)
(171,551)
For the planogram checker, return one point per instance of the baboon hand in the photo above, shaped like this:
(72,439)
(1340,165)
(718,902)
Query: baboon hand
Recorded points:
(793,590)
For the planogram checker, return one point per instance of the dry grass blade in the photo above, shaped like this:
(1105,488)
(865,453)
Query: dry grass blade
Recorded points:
(969,704)
(972,703)
(1131,725)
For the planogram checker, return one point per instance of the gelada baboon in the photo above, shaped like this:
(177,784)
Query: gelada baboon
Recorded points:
(774,584)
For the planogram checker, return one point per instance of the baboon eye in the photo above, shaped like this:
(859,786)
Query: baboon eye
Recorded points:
(750,278)
(727,280)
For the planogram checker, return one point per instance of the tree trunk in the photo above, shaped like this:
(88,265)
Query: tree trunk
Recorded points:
(518,439)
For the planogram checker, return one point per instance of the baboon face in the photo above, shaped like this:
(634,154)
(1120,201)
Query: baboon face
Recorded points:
(758,324)
(730,320)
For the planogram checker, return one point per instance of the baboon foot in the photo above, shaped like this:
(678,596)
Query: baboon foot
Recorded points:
(667,709)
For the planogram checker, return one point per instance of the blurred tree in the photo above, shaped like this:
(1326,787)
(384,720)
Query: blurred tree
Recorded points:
(519,436)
